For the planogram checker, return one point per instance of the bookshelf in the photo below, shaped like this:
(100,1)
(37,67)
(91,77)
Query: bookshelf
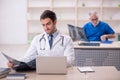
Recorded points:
(73,12)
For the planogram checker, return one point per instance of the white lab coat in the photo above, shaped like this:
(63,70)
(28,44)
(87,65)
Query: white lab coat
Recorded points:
(40,47)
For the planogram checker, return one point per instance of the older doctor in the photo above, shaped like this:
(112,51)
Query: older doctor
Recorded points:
(49,43)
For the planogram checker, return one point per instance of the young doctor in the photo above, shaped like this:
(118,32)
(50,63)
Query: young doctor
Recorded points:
(49,43)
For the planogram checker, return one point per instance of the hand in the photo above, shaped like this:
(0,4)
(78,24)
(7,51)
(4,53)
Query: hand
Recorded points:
(103,37)
(10,64)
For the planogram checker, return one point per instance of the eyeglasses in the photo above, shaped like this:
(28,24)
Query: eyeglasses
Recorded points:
(94,19)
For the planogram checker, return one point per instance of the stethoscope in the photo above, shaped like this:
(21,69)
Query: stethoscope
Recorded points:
(43,41)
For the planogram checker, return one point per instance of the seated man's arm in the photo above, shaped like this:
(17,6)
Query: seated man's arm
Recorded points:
(107,36)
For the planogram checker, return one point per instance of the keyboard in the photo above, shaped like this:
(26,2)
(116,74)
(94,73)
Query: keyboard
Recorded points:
(89,44)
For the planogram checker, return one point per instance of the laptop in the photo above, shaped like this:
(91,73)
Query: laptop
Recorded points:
(77,33)
(51,65)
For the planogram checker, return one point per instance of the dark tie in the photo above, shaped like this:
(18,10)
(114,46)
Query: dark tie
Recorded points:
(50,40)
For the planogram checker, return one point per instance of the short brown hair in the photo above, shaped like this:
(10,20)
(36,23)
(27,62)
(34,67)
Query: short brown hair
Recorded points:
(48,14)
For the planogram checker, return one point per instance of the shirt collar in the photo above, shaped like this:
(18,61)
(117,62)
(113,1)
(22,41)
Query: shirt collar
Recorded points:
(96,24)
(54,34)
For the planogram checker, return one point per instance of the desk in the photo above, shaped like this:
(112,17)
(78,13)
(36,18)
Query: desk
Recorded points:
(103,55)
(101,73)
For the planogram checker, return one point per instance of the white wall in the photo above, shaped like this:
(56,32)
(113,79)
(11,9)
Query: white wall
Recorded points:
(13,26)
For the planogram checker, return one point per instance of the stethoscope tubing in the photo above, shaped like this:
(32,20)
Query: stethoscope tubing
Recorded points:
(43,38)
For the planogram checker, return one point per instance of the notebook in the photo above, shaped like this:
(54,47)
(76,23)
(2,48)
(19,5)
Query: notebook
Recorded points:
(16,76)
(51,65)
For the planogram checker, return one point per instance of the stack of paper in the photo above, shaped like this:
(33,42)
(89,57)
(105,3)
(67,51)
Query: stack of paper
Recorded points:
(4,72)
(16,76)
(85,69)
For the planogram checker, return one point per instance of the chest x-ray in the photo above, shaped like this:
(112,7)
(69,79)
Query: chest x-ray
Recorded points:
(77,33)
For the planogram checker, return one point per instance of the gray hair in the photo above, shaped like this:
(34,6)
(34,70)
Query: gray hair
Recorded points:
(93,13)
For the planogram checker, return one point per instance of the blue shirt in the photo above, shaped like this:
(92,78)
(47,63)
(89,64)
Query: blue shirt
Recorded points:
(54,35)
(94,33)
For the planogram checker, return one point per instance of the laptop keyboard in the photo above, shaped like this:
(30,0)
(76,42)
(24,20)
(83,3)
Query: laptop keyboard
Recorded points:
(89,44)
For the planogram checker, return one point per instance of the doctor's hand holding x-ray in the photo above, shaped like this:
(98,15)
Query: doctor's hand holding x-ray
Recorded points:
(60,45)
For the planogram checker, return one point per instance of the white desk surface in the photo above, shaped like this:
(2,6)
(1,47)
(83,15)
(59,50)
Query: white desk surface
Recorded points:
(101,73)
(115,44)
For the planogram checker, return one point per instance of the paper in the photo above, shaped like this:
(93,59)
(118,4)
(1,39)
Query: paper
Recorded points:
(4,70)
(85,69)
(14,61)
